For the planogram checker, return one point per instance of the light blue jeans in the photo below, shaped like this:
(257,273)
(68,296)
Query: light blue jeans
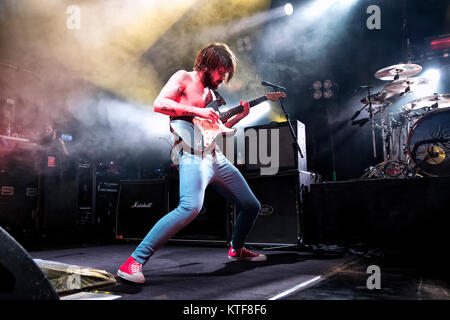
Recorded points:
(196,173)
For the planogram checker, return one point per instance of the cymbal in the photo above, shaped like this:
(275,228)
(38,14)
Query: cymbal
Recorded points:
(398,71)
(430,102)
(401,85)
(379,98)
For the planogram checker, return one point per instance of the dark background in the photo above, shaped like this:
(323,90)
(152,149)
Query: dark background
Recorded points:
(337,46)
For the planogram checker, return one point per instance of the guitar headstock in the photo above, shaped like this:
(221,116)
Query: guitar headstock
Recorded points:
(274,96)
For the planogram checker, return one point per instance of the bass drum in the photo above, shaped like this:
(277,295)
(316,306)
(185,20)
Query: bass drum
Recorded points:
(428,142)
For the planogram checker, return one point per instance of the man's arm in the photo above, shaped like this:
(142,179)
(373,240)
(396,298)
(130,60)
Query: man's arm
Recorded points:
(232,121)
(167,100)
(63,145)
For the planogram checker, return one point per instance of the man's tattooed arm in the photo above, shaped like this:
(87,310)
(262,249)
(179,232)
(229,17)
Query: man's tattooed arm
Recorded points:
(167,101)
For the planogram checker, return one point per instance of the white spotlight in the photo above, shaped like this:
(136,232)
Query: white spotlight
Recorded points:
(431,87)
(317,7)
(288,9)
(432,74)
(347,2)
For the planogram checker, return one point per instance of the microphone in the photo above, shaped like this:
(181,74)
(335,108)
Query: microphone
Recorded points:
(275,86)
(360,122)
(355,115)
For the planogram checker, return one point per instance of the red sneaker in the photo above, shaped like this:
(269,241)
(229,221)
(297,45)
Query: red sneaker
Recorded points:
(131,270)
(244,254)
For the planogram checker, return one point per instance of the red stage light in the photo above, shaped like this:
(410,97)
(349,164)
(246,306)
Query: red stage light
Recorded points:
(51,162)
(441,43)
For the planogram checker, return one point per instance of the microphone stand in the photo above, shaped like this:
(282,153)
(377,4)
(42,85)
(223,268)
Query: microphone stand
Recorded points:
(286,115)
(372,120)
(297,150)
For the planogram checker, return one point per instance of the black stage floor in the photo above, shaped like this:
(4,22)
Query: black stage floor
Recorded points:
(193,272)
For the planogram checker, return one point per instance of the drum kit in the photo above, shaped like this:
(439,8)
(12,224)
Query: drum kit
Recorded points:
(415,138)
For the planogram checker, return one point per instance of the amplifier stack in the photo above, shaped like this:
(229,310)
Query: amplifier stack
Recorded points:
(282,195)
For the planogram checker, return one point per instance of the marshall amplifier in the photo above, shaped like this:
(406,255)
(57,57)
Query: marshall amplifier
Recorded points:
(140,205)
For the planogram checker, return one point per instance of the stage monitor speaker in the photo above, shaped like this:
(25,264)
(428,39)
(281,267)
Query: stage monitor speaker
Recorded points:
(20,277)
(288,159)
(278,220)
(140,205)
(212,224)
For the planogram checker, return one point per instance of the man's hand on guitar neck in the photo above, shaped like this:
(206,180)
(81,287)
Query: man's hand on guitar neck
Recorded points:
(231,122)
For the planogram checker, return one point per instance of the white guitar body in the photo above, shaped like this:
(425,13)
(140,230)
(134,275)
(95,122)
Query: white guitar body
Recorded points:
(210,131)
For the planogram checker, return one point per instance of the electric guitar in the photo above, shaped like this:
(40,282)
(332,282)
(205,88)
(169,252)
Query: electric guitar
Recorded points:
(199,134)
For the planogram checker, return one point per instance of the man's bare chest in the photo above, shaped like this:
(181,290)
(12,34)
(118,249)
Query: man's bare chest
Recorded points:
(196,96)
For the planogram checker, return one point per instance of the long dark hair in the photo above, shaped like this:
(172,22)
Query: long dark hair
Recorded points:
(216,55)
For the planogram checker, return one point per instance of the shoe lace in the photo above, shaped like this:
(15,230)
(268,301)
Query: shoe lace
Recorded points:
(135,267)
(244,252)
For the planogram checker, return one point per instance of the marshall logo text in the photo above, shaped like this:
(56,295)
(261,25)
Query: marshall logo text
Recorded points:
(139,205)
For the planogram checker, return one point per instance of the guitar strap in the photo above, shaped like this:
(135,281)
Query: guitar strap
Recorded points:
(217,96)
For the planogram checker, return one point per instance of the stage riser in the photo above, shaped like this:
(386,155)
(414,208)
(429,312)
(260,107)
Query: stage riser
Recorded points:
(381,212)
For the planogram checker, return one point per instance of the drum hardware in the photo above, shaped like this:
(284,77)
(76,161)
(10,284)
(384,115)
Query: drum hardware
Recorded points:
(360,122)
(391,169)
(372,120)
(395,127)
(380,98)
(414,143)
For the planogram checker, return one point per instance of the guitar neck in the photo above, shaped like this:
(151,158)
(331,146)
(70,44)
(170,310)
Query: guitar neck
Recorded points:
(234,111)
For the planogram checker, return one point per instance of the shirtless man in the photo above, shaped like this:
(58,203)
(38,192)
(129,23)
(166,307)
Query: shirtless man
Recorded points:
(185,95)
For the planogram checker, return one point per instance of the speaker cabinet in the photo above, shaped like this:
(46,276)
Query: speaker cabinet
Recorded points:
(262,141)
(18,199)
(86,187)
(106,206)
(141,204)
(20,277)
(212,223)
(59,195)
(278,220)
